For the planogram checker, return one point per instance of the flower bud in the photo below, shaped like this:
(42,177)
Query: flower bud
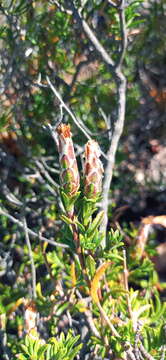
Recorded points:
(93,170)
(69,171)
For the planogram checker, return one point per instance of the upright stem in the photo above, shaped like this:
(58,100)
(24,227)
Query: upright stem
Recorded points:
(79,251)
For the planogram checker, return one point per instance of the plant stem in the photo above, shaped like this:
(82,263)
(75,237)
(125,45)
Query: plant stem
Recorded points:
(79,251)
(102,312)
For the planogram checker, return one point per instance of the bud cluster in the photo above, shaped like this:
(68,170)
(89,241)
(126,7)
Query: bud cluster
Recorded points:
(92,169)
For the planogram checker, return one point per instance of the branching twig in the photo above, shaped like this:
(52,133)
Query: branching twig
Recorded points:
(30,232)
(33,270)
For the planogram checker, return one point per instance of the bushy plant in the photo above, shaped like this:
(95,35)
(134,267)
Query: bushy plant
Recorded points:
(74,283)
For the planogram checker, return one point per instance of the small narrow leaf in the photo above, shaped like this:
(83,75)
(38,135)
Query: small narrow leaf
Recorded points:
(39,291)
(73,274)
(67,220)
(41,351)
(81,227)
(91,265)
(96,222)
(95,282)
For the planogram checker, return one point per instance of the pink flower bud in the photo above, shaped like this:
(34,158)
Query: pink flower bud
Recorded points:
(69,171)
(93,170)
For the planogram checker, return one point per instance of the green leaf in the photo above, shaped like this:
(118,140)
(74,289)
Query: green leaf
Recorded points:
(91,265)
(42,350)
(23,357)
(66,219)
(68,201)
(25,349)
(39,291)
(81,227)
(96,222)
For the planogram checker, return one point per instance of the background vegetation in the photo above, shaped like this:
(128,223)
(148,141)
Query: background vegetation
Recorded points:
(53,71)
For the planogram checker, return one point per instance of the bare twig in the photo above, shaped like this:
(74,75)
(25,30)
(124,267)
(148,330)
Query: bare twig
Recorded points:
(46,174)
(112,4)
(33,270)
(57,3)
(163,352)
(93,39)
(136,343)
(130,354)
(145,353)
(30,232)
(88,315)
(123,31)
(108,322)
(54,90)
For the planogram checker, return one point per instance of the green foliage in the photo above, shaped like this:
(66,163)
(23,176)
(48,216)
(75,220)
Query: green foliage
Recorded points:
(63,349)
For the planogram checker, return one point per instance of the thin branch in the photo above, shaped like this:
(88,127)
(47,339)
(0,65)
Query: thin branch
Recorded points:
(33,270)
(81,127)
(91,324)
(54,90)
(30,232)
(136,342)
(46,174)
(93,39)
(121,11)
(108,322)
(118,127)
(112,4)
(163,352)
(145,353)
(130,354)
(60,7)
